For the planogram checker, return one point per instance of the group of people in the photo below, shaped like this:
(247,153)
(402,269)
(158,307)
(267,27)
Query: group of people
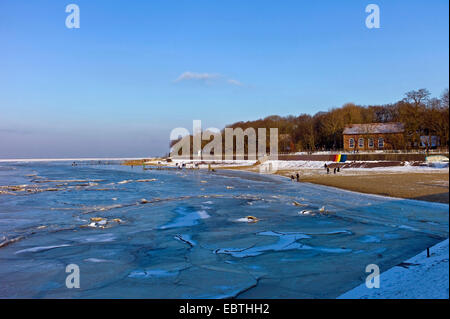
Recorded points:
(183,165)
(335,170)
(297,176)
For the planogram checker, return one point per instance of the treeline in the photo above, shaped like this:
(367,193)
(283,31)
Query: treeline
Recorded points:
(421,114)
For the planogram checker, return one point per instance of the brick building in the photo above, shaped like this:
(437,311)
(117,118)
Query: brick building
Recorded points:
(374,136)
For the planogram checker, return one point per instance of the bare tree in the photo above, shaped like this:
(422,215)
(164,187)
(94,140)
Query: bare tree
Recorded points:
(418,97)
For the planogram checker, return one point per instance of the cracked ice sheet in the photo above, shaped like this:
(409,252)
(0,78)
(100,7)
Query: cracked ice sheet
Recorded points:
(226,281)
(286,241)
(141,245)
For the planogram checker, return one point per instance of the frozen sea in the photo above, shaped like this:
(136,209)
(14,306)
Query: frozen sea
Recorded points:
(184,233)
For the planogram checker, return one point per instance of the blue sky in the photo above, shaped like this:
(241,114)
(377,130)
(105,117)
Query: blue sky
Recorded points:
(120,83)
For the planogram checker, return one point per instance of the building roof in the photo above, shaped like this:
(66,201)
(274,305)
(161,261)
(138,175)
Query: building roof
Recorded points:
(374,128)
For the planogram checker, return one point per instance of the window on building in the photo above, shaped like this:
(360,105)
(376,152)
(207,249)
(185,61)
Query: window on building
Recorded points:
(380,142)
(361,143)
(351,143)
(370,143)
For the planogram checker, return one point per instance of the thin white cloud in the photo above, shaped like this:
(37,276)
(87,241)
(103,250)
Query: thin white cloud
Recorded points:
(206,77)
(186,76)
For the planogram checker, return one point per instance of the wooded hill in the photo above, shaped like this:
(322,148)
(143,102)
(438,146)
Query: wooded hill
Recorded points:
(421,114)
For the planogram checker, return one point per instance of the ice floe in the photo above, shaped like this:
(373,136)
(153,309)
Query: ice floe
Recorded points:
(187,217)
(40,248)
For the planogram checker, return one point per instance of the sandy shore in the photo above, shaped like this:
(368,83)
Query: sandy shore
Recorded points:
(427,185)
(431,187)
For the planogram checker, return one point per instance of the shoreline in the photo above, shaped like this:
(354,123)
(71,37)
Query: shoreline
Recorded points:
(410,186)
(347,190)
(407,180)
(424,202)
(423,185)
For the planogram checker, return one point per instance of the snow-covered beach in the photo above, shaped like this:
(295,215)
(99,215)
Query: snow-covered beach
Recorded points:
(419,277)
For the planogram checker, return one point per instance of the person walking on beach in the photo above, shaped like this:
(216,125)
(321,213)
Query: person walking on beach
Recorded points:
(292,178)
(334,171)
(298,177)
